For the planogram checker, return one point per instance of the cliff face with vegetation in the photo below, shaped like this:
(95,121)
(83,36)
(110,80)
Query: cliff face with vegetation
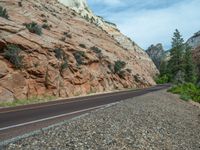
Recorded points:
(81,7)
(48,49)
(194,42)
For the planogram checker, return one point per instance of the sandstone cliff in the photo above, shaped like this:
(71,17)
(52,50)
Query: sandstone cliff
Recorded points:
(68,55)
(81,7)
(194,42)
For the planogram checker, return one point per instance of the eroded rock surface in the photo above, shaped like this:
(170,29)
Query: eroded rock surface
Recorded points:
(194,42)
(43,74)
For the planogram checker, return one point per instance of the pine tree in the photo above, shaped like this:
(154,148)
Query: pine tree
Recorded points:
(190,74)
(176,63)
(163,68)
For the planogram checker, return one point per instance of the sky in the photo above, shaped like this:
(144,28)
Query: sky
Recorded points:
(151,21)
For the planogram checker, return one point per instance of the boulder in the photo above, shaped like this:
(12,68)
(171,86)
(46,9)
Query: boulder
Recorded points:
(16,83)
(3,69)
(6,95)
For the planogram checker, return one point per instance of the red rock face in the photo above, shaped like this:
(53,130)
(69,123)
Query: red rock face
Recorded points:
(42,72)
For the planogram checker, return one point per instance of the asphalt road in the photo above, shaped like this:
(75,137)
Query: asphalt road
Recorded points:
(23,119)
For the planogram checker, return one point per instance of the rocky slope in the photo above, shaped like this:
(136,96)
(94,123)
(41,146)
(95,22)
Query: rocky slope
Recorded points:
(70,55)
(194,42)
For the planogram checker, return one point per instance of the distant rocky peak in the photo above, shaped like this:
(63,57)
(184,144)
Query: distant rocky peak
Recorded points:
(194,41)
(156,53)
(155,49)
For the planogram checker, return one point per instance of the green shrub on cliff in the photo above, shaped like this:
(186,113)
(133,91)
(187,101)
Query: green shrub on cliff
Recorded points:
(64,65)
(79,56)
(82,45)
(119,65)
(59,54)
(3,13)
(96,49)
(34,28)
(13,54)
(118,68)
(46,26)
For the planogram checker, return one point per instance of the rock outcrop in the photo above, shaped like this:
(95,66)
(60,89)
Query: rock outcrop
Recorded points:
(158,54)
(80,6)
(70,55)
(194,42)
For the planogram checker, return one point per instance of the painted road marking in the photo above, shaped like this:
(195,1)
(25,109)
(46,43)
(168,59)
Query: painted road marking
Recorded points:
(54,117)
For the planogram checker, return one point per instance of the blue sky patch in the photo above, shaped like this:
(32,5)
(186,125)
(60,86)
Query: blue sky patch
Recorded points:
(153,21)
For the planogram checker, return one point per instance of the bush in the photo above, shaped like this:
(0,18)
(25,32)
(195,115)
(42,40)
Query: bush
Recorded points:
(12,54)
(59,53)
(162,79)
(63,39)
(119,65)
(79,56)
(82,45)
(66,34)
(34,28)
(64,65)
(3,13)
(185,97)
(46,26)
(20,4)
(187,91)
(95,49)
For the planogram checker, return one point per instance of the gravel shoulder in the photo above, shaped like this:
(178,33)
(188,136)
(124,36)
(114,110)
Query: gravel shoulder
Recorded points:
(157,120)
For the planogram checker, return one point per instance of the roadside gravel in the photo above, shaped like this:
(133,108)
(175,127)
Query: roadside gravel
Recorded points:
(154,121)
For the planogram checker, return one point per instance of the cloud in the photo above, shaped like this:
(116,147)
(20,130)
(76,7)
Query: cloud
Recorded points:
(153,21)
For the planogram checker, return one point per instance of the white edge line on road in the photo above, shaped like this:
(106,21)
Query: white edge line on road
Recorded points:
(49,118)
(26,135)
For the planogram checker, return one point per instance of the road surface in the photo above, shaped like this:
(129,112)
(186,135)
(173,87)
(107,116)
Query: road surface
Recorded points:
(24,119)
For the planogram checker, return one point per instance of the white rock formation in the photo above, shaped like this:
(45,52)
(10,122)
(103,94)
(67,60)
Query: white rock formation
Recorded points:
(194,41)
(81,7)
(77,5)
